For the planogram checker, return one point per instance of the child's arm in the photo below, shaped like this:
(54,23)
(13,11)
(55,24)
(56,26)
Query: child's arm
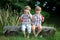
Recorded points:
(30,15)
(21,18)
(42,18)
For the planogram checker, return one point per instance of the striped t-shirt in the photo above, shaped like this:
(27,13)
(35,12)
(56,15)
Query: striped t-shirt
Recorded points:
(38,19)
(27,19)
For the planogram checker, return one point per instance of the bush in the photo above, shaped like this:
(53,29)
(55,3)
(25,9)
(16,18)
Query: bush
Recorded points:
(44,13)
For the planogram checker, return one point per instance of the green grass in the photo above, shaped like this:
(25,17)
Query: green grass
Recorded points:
(20,37)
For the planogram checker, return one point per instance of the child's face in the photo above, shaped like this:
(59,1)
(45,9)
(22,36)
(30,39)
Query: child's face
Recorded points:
(38,12)
(26,11)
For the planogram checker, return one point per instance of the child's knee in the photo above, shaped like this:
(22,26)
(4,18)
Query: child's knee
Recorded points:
(39,27)
(33,27)
(29,31)
(29,28)
(23,28)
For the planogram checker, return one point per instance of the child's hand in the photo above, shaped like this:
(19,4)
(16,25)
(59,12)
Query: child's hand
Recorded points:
(30,16)
(34,19)
(22,19)
(42,18)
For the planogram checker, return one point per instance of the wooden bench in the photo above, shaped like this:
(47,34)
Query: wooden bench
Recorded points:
(16,29)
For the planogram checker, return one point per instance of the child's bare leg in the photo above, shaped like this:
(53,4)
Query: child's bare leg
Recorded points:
(24,33)
(28,35)
(29,30)
(39,30)
(33,29)
(23,30)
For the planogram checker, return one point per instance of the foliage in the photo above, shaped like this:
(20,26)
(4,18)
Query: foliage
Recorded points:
(8,18)
(44,13)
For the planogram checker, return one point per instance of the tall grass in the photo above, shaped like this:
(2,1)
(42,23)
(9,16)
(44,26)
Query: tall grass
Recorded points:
(8,18)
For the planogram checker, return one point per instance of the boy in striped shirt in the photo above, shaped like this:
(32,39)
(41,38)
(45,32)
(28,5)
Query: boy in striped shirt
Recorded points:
(26,21)
(37,19)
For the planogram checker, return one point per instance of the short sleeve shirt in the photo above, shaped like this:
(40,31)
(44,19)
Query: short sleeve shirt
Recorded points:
(27,19)
(38,19)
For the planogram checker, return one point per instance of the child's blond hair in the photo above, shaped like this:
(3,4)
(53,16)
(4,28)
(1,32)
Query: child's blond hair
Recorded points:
(27,7)
(37,8)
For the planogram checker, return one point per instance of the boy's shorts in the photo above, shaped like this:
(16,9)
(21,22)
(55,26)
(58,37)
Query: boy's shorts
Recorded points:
(37,23)
(26,26)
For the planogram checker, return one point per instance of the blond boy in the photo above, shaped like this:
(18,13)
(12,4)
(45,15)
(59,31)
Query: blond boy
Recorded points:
(36,21)
(26,21)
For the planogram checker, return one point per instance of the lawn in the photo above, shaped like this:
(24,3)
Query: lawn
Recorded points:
(20,37)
